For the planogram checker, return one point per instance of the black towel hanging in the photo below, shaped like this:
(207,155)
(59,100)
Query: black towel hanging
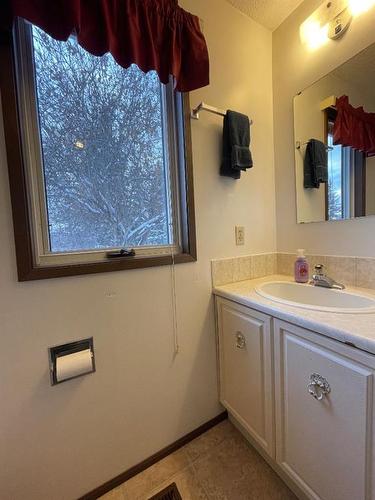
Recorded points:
(236,142)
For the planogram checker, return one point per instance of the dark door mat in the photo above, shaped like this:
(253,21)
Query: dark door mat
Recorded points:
(169,493)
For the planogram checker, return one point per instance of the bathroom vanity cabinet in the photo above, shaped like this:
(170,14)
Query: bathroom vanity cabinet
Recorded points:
(246,370)
(305,399)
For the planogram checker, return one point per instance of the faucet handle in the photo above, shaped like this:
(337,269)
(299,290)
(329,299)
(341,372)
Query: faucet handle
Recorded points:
(319,268)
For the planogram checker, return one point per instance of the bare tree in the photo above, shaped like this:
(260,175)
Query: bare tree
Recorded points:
(334,204)
(102,145)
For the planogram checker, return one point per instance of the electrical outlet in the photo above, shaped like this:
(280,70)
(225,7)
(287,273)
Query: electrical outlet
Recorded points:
(240,235)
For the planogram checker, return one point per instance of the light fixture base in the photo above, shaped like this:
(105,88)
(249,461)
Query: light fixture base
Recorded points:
(338,26)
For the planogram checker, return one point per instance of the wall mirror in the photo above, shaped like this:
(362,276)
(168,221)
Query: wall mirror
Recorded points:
(334,135)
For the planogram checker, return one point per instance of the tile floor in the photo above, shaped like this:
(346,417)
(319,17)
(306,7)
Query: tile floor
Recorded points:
(218,465)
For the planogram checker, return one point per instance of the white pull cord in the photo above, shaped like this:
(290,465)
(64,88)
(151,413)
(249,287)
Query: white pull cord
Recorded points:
(174,304)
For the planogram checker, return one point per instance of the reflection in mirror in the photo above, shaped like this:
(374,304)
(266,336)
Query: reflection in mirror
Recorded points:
(334,127)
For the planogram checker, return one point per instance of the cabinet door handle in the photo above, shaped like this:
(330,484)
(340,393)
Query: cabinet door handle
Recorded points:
(240,340)
(318,386)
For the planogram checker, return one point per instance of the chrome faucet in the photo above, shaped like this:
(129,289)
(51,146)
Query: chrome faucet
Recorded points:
(321,279)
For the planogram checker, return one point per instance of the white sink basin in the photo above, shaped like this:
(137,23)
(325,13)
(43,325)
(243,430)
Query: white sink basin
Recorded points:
(318,298)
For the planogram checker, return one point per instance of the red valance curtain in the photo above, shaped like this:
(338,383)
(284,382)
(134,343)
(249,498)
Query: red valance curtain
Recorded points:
(154,34)
(354,127)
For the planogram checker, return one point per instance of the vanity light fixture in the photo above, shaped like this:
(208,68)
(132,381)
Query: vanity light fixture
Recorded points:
(338,26)
(331,20)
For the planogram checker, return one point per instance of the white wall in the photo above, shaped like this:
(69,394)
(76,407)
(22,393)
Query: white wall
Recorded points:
(294,69)
(59,442)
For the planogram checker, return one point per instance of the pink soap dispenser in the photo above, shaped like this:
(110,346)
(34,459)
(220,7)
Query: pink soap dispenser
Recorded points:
(301,267)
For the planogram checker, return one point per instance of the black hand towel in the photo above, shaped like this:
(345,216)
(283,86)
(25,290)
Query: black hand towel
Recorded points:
(315,167)
(236,142)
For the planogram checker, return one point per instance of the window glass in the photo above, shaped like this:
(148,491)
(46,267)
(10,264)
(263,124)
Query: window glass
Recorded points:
(105,164)
(335,194)
(340,179)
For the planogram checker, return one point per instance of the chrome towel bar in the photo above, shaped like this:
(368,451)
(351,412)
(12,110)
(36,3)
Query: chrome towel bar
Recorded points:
(211,109)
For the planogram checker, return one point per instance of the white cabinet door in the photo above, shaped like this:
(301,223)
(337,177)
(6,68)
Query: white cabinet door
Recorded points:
(325,445)
(246,369)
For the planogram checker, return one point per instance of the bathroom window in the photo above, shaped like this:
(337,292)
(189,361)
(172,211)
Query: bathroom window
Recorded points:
(106,164)
(346,187)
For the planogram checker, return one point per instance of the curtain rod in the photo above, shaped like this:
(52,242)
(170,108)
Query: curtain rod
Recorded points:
(211,109)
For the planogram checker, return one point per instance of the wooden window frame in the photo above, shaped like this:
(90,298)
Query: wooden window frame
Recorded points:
(329,115)
(359,163)
(359,184)
(27,267)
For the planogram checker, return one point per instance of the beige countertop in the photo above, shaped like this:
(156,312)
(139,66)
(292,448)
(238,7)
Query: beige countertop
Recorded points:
(357,328)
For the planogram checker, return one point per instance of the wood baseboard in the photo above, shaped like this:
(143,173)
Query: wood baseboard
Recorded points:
(136,469)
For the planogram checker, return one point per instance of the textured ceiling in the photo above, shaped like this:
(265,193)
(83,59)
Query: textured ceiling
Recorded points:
(269,13)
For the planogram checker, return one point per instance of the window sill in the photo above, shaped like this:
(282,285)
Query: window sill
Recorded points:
(32,272)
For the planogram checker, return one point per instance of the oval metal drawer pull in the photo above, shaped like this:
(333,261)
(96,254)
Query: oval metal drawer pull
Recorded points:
(318,386)
(240,340)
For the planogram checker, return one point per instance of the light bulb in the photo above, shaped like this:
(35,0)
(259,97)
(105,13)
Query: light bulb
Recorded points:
(313,34)
(358,7)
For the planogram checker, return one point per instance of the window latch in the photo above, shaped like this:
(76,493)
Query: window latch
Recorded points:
(124,252)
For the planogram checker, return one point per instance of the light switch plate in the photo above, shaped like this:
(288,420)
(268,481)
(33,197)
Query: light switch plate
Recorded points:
(240,235)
